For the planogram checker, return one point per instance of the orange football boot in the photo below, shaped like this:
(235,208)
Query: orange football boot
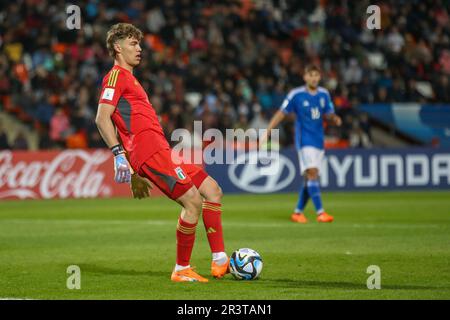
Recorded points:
(187,275)
(324,217)
(299,218)
(219,271)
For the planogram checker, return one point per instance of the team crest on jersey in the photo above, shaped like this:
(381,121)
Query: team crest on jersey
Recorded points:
(322,102)
(305,103)
(180,173)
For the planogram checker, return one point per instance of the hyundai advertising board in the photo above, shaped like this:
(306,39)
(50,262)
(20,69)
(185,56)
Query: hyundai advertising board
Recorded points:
(353,169)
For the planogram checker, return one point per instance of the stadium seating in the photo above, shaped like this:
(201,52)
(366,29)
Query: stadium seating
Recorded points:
(235,57)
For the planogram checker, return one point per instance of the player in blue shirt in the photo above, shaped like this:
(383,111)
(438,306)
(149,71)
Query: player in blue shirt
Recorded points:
(310,104)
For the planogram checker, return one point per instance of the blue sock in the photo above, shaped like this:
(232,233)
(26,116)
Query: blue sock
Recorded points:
(303,197)
(314,193)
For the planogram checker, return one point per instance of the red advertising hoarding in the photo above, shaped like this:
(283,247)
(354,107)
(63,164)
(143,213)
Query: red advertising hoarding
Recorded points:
(59,175)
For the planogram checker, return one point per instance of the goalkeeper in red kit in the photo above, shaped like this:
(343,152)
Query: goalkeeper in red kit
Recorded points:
(142,155)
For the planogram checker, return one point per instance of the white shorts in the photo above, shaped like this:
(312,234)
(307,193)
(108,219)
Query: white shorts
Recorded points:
(310,157)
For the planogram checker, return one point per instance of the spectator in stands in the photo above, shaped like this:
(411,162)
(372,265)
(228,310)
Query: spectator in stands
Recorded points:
(59,127)
(45,143)
(44,110)
(353,72)
(383,95)
(235,53)
(395,41)
(358,138)
(95,140)
(242,123)
(259,120)
(20,142)
(398,92)
(4,144)
(364,124)
(442,89)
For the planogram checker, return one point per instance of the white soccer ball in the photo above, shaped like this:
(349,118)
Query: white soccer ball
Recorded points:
(245,264)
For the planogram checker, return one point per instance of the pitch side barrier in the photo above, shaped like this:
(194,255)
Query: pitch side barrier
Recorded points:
(89,173)
(343,169)
(58,175)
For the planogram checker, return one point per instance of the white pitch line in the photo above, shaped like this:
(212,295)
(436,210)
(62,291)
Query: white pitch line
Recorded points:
(231,224)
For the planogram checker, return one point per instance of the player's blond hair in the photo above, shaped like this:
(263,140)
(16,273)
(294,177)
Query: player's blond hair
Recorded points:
(121,31)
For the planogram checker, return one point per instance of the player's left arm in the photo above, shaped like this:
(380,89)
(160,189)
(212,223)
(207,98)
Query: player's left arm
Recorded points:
(330,115)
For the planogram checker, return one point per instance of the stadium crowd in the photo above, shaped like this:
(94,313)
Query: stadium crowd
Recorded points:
(227,63)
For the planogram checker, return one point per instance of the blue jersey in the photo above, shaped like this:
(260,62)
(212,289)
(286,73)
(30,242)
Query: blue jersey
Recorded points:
(309,110)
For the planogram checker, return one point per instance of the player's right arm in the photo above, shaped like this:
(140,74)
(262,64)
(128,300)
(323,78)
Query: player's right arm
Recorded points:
(105,125)
(122,168)
(112,89)
(278,117)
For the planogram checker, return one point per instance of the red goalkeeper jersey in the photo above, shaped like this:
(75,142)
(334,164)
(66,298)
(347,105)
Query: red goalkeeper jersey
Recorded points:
(134,116)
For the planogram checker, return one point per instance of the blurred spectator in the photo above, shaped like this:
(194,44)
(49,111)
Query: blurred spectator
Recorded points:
(231,55)
(45,143)
(358,138)
(242,123)
(442,89)
(77,140)
(59,127)
(155,20)
(20,142)
(347,126)
(365,126)
(353,72)
(395,41)
(398,92)
(95,140)
(4,144)
(382,95)
(44,110)
(259,121)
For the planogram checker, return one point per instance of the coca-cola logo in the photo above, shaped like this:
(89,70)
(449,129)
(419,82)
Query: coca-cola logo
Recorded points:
(71,173)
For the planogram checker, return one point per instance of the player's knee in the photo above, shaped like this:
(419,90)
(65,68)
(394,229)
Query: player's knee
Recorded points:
(192,201)
(219,194)
(211,191)
(215,194)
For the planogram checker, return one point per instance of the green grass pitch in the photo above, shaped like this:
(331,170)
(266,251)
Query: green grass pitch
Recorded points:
(125,248)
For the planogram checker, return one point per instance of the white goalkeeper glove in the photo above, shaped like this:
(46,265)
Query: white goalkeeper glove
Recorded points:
(122,169)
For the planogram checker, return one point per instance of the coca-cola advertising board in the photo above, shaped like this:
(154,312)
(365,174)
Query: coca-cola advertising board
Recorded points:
(59,175)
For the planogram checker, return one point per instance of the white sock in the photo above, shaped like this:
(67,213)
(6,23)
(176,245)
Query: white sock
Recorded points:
(179,268)
(219,257)
(320,211)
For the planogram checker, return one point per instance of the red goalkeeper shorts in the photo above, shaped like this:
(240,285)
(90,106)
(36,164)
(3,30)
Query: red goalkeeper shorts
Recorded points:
(173,179)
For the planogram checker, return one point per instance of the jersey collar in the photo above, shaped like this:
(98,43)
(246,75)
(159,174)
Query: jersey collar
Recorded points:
(121,68)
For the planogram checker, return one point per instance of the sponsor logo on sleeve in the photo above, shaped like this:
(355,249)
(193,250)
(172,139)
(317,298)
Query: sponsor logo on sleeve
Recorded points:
(108,94)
